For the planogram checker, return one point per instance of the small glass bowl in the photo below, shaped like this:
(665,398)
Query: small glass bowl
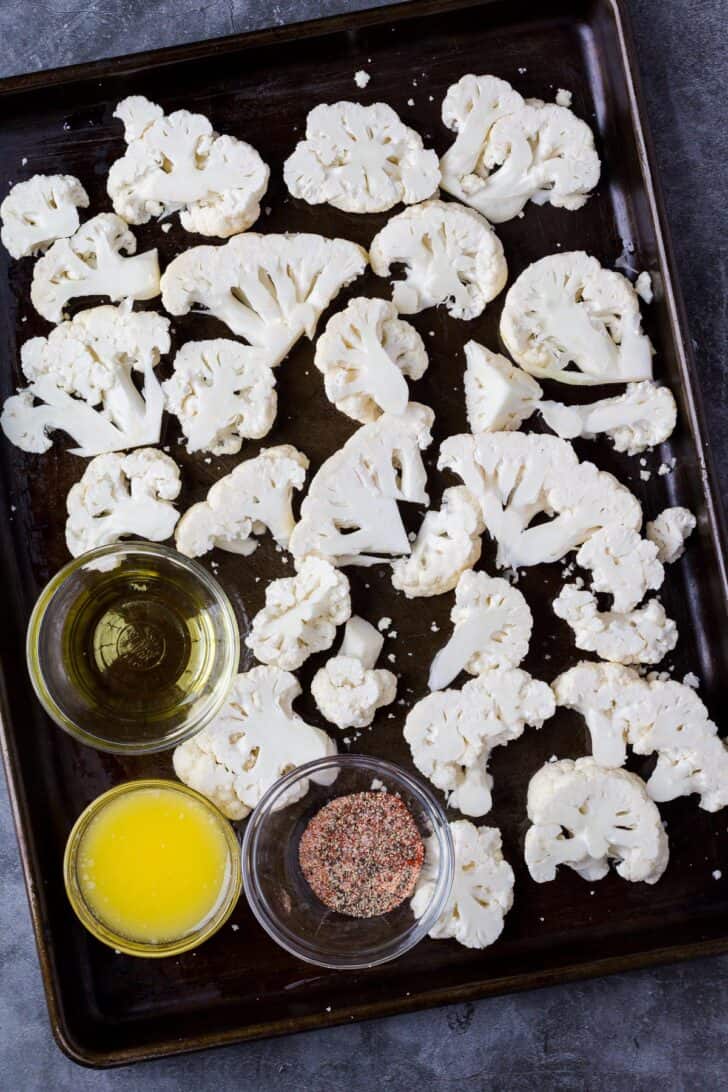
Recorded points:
(282,900)
(140,640)
(120,943)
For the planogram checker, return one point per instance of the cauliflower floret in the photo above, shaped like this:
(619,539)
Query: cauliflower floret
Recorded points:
(601,693)
(509,151)
(360,159)
(567,318)
(121,495)
(645,415)
(451,733)
(642,636)
(482,889)
(347,689)
(623,565)
(92,263)
(40,210)
(178,163)
(221,392)
(583,816)
(669,531)
(364,353)
(447,543)
(350,513)
(81,382)
(300,615)
(268,289)
(493,626)
(256,495)
(256,738)
(518,476)
(451,255)
(498,395)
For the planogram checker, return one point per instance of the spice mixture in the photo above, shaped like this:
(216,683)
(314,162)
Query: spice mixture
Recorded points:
(362,854)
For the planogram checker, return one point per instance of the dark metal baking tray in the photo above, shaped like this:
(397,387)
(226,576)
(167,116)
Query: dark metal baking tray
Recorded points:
(108,1009)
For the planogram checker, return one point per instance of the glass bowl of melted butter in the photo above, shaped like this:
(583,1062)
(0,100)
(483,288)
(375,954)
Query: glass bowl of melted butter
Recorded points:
(132,648)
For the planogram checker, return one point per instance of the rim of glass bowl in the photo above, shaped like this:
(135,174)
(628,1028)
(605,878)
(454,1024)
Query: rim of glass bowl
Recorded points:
(147,949)
(218,694)
(291,941)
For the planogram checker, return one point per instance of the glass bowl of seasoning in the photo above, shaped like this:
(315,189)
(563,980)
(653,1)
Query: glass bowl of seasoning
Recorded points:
(332,855)
(132,648)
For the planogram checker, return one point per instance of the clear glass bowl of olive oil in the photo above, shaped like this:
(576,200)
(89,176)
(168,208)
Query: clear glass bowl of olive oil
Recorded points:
(132,647)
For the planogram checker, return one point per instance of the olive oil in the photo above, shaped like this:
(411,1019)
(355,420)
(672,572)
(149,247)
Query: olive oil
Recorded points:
(138,647)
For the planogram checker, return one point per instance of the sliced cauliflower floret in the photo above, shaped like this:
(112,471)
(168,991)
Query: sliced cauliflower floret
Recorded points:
(482,889)
(451,733)
(222,392)
(40,210)
(601,693)
(584,816)
(451,254)
(508,151)
(567,318)
(300,615)
(256,738)
(498,395)
(92,262)
(518,476)
(360,159)
(645,415)
(493,626)
(80,381)
(642,636)
(121,495)
(623,565)
(268,289)
(347,689)
(178,163)
(350,513)
(255,496)
(669,531)
(448,542)
(364,353)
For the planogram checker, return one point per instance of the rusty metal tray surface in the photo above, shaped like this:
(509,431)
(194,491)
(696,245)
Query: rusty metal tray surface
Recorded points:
(109,1009)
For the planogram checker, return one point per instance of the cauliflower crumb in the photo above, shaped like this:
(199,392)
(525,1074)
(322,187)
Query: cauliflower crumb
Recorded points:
(391,657)
(435,628)
(384,623)
(691,680)
(377,785)
(522,72)
(166,228)
(645,475)
(563,97)
(361,78)
(717,874)
(643,287)
(667,467)
(235,928)
(410,102)
(23,161)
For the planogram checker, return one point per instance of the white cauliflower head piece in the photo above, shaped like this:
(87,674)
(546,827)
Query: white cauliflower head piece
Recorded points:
(447,543)
(644,416)
(451,254)
(267,289)
(669,532)
(601,692)
(92,262)
(364,353)
(641,636)
(508,151)
(493,626)
(253,497)
(300,615)
(348,689)
(178,163)
(121,495)
(516,476)
(81,381)
(256,738)
(360,159)
(622,564)
(482,890)
(567,318)
(222,392)
(583,816)
(498,395)
(40,210)
(452,732)
(350,514)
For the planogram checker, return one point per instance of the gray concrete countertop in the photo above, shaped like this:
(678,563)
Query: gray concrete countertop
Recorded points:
(637,1031)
